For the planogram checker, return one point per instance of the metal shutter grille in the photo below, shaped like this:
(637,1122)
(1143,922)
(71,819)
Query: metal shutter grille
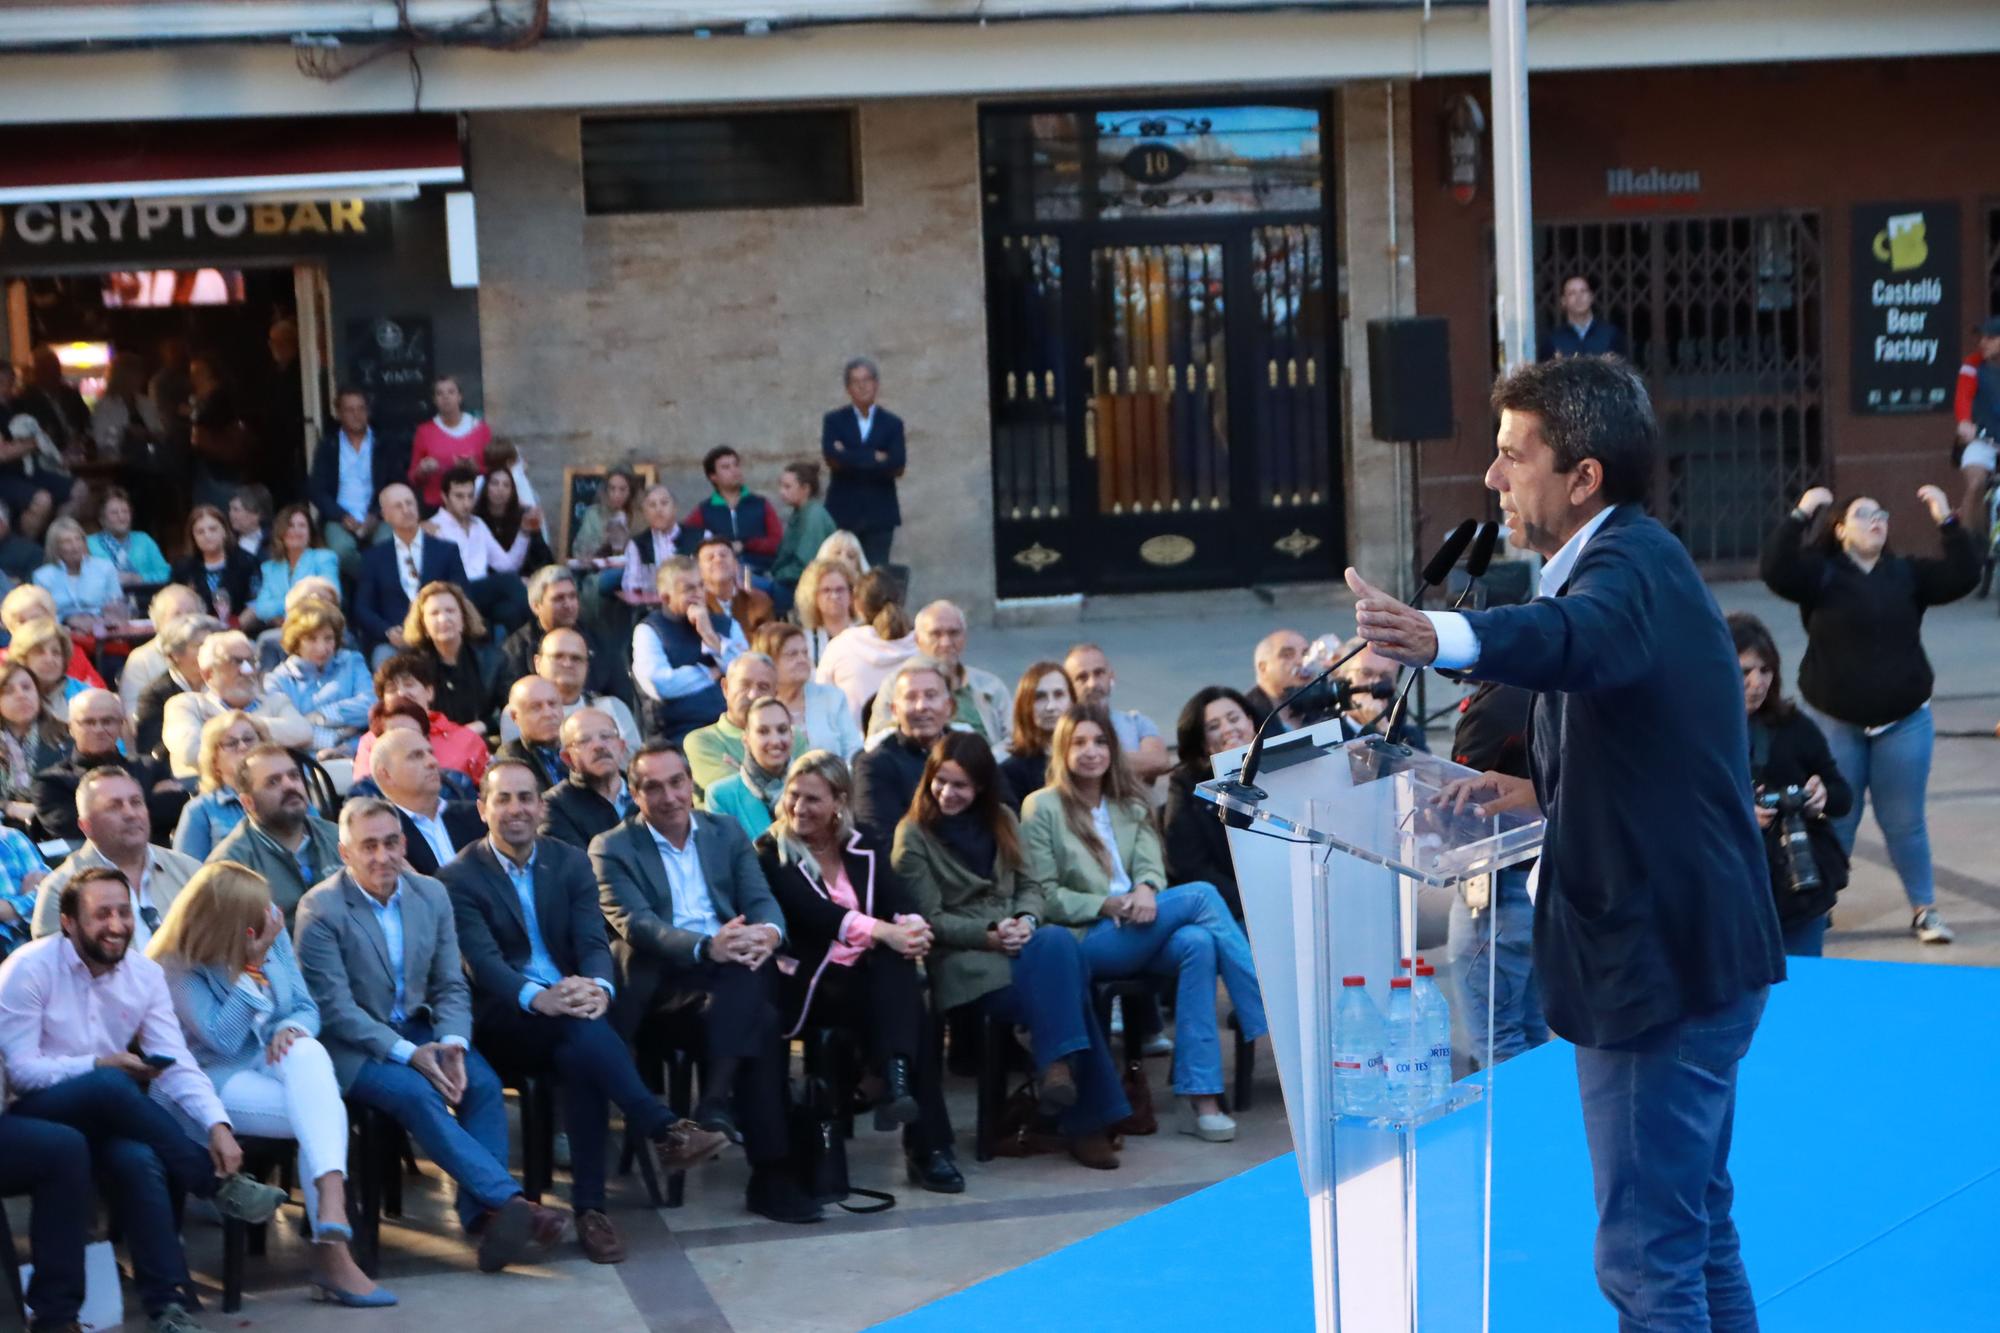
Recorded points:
(778,159)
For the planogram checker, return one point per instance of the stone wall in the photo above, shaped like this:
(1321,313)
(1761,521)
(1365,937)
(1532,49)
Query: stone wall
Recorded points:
(657,336)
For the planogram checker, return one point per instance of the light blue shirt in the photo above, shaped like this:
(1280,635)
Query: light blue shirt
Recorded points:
(1458,646)
(541,970)
(83,593)
(279,578)
(432,828)
(1132,727)
(357,474)
(693,908)
(389,916)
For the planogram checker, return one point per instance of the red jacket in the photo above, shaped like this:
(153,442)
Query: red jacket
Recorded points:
(432,441)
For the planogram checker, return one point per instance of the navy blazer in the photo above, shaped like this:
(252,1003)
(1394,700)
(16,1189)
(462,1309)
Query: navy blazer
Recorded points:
(1602,338)
(323,479)
(862,492)
(493,930)
(461,824)
(1655,897)
(379,601)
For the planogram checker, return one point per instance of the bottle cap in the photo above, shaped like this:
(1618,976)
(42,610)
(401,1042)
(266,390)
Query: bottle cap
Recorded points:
(1426,970)
(1354,981)
(1403,961)
(1400,983)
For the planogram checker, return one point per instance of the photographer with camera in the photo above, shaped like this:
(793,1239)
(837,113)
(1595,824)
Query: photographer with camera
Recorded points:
(1799,794)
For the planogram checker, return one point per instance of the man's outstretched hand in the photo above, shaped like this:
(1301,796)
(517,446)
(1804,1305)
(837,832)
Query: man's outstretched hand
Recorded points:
(1392,628)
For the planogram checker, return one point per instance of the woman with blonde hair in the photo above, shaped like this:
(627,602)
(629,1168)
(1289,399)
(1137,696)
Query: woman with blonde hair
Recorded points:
(868,652)
(442,626)
(252,1025)
(1089,846)
(85,586)
(845,547)
(215,813)
(44,647)
(825,603)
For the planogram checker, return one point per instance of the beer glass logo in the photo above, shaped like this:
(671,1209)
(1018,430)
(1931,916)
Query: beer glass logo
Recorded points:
(1901,244)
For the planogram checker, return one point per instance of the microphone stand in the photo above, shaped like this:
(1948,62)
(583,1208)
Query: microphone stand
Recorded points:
(1475,568)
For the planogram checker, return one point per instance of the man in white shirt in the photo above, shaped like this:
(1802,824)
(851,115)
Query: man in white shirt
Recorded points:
(492,572)
(679,653)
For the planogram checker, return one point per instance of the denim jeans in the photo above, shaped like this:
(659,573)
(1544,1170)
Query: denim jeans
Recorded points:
(1050,996)
(145,1163)
(1807,939)
(1193,938)
(470,1147)
(1518,1024)
(1658,1111)
(1895,767)
(52,1163)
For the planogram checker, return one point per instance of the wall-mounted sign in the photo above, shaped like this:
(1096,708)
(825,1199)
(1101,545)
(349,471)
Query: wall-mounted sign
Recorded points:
(1154,163)
(1650,183)
(167,229)
(1904,273)
(391,361)
(1464,147)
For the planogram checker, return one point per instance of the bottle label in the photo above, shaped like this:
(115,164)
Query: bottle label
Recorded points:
(1401,1067)
(1354,1065)
(1375,1063)
(1441,1051)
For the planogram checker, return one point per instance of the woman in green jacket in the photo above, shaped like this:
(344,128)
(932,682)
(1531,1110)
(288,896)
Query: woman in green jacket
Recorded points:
(958,852)
(1090,847)
(808,526)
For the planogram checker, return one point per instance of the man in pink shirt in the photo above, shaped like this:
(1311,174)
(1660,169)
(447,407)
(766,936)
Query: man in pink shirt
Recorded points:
(85,1029)
(452,436)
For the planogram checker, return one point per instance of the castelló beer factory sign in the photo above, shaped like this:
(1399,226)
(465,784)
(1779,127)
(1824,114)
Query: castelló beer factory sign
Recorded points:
(168,229)
(1905,312)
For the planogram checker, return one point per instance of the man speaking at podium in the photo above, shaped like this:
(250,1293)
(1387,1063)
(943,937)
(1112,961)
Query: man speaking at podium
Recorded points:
(1655,936)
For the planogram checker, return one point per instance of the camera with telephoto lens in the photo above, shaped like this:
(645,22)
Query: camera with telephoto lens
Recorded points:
(1801,869)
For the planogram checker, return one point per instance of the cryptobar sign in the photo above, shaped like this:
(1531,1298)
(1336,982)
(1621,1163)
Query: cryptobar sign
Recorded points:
(207,229)
(1905,276)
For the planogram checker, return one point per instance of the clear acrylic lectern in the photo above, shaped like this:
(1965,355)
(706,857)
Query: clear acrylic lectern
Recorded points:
(1332,862)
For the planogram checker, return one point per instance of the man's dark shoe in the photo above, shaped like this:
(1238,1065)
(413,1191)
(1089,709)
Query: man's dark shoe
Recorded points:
(716,1115)
(551,1225)
(685,1144)
(936,1171)
(1057,1088)
(1094,1151)
(599,1238)
(774,1194)
(504,1234)
(899,1104)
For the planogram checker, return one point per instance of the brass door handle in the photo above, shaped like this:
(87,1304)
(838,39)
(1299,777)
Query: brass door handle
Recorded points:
(1090,432)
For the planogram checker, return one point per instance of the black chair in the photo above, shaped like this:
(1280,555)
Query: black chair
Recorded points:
(536,1091)
(320,790)
(261,1159)
(377,1153)
(19,1317)
(1142,1018)
(667,1052)
(995,1050)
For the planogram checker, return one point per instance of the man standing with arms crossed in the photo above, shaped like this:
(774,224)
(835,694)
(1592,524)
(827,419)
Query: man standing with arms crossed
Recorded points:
(1655,936)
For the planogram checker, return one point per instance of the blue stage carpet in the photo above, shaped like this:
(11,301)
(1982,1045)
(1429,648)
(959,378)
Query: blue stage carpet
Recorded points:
(1866,1159)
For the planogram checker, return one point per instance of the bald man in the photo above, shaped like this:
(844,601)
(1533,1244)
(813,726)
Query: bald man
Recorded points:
(393,571)
(96,722)
(564,658)
(535,708)
(594,798)
(1280,666)
(434,829)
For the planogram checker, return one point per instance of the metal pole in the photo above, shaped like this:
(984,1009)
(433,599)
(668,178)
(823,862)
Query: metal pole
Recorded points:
(1513,211)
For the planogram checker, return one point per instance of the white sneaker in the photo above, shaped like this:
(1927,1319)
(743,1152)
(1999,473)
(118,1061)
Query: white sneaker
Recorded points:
(1929,927)
(1215,1127)
(1158,1044)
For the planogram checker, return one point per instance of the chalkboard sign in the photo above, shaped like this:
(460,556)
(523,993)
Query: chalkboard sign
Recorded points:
(393,362)
(580,489)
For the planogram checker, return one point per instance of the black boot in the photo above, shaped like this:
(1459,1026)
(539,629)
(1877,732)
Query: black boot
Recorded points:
(936,1171)
(899,1102)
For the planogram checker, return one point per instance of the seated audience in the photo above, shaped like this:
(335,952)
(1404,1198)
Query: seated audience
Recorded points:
(45,647)
(1090,849)
(85,586)
(27,603)
(887,772)
(863,655)
(218,809)
(31,740)
(555,603)
(134,555)
(536,711)
(1217,718)
(180,654)
(679,652)
(1372,680)
(394,571)
(824,603)
(398,1023)
(857,940)
(77,1009)
(958,853)
(819,712)
(615,511)
(492,571)
(1041,697)
(295,554)
(22,871)
(327,684)
(727,590)
(51,1164)
(694,925)
(808,525)
(565,662)
(253,1028)
(146,663)
(734,513)
(410,676)
(116,826)
(434,829)
(1091,681)
(651,547)
(444,628)
(750,794)
(219,571)
(979,701)
(532,936)
(1279,665)
(20,554)
(594,798)
(350,471)
(505,456)
(452,438)
(716,750)
(96,723)
(250,520)
(230,680)
(280,838)
(498,505)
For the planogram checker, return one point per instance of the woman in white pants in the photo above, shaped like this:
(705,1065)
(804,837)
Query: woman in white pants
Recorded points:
(252,1024)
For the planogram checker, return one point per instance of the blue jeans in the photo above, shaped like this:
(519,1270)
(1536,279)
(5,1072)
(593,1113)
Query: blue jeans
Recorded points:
(1193,938)
(51,1162)
(1807,939)
(1895,767)
(471,1148)
(1518,1024)
(1658,1110)
(145,1163)
(1050,996)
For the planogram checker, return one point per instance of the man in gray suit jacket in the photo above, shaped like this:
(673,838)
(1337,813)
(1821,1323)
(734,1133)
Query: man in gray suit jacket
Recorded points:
(694,927)
(280,838)
(380,952)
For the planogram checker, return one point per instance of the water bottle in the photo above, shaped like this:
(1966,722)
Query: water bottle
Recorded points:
(1434,1013)
(1357,1051)
(1406,1053)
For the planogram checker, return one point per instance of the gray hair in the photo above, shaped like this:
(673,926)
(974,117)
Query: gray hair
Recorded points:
(930,613)
(157,610)
(855,363)
(219,643)
(545,578)
(178,635)
(359,808)
(753,658)
(95,778)
(910,667)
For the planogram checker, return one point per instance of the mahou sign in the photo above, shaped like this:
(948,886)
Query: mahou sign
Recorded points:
(167,229)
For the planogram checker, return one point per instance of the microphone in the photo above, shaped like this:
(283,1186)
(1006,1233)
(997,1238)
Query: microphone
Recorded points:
(1436,571)
(1475,569)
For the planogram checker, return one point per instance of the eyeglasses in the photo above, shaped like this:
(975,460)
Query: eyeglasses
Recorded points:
(1868,516)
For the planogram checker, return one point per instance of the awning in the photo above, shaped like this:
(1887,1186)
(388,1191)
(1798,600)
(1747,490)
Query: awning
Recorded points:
(343,156)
